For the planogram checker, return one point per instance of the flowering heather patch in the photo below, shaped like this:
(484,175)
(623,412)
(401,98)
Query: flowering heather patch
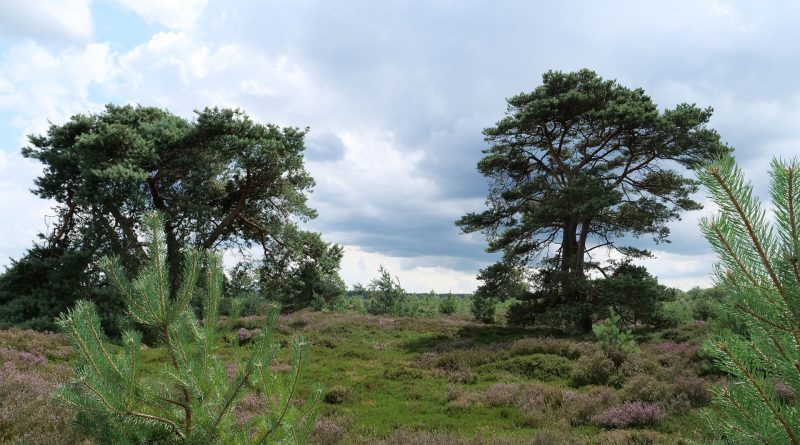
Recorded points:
(47,344)
(580,408)
(327,431)
(502,394)
(28,412)
(637,413)
(696,389)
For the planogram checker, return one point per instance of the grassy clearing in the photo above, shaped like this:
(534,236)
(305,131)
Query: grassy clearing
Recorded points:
(448,380)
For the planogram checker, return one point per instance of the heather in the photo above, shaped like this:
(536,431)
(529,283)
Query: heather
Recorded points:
(31,368)
(429,380)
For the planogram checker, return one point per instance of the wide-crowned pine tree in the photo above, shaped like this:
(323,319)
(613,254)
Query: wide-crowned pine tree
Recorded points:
(759,271)
(190,398)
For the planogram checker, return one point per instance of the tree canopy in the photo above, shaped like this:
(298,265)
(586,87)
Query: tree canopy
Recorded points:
(220,180)
(581,162)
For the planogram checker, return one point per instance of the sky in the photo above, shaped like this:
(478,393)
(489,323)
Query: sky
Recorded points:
(396,95)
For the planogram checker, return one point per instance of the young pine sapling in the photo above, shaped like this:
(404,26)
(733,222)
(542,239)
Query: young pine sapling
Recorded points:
(191,397)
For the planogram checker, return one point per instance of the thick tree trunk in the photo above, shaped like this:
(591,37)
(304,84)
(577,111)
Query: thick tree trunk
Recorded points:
(572,274)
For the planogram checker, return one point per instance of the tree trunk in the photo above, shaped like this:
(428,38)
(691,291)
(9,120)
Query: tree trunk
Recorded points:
(174,259)
(572,275)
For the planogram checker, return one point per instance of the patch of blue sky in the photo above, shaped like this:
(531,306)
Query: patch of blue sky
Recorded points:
(123,28)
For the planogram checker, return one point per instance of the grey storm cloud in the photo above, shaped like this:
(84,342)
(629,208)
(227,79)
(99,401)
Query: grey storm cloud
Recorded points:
(436,74)
(326,147)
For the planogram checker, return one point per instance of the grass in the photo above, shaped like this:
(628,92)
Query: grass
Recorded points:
(448,380)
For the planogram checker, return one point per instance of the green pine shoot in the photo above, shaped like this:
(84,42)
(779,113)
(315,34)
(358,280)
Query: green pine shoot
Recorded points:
(760,275)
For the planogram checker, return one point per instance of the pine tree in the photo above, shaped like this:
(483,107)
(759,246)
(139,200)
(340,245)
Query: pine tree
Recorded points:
(190,399)
(760,274)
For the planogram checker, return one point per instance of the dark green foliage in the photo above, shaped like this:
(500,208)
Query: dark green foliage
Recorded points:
(759,276)
(610,334)
(499,282)
(306,274)
(192,398)
(634,294)
(220,180)
(629,290)
(542,367)
(580,162)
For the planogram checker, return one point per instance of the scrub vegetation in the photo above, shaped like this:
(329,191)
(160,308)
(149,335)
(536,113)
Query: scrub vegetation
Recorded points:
(557,346)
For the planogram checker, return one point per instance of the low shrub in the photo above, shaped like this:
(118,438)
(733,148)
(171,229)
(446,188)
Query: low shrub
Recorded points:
(555,437)
(402,373)
(502,394)
(593,368)
(784,393)
(634,437)
(636,413)
(337,394)
(464,358)
(327,431)
(50,345)
(448,305)
(579,408)
(536,366)
(647,388)
(460,375)
(695,388)
(555,346)
(642,362)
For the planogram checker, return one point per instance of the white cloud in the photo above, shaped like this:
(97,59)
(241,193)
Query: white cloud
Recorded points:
(174,14)
(49,20)
(359,266)
(23,214)
(38,84)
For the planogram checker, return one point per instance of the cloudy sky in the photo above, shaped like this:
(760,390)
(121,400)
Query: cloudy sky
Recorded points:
(396,94)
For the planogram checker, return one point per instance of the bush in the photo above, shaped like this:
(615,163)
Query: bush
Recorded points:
(327,432)
(483,308)
(386,295)
(593,368)
(579,408)
(555,346)
(448,305)
(637,413)
(646,388)
(502,394)
(537,366)
(337,394)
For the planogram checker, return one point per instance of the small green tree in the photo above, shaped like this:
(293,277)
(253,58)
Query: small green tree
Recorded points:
(190,399)
(386,295)
(759,274)
(611,337)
